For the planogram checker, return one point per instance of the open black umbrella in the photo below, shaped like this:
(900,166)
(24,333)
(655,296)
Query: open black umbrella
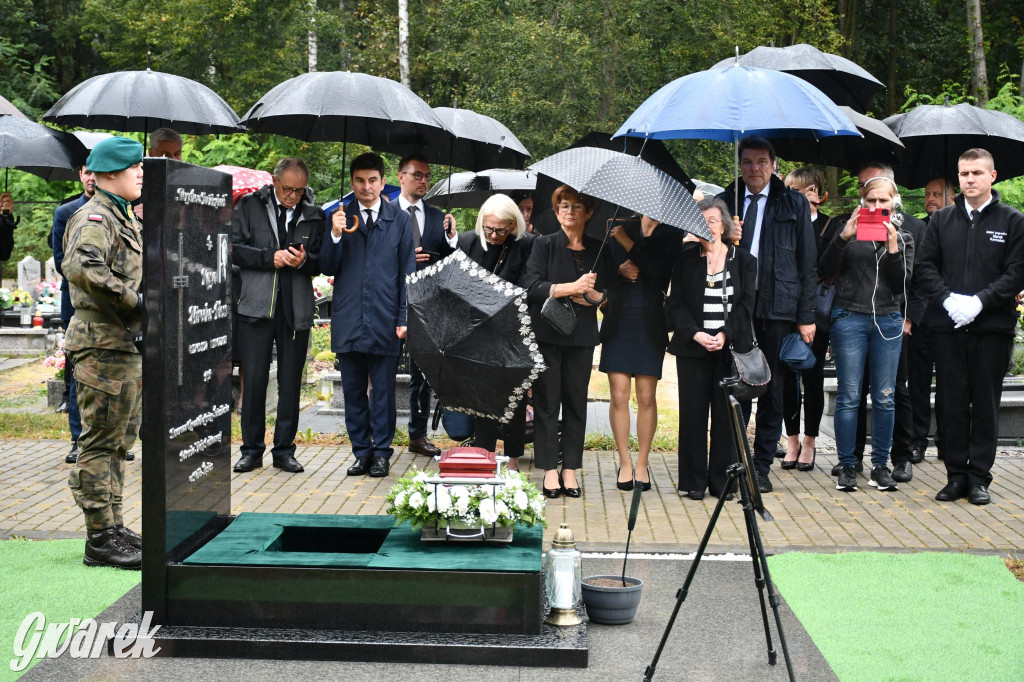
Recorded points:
(936,136)
(626,181)
(40,150)
(470,334)
(141,102)
(878,143)
(480,142)
(842,81)
(470,190)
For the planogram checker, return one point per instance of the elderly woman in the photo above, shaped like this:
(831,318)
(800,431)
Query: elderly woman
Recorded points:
(501,245)
(573,269)
(634,336)
(867,327)
(711,305)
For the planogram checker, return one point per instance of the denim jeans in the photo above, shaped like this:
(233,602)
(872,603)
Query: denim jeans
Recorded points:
(855,340)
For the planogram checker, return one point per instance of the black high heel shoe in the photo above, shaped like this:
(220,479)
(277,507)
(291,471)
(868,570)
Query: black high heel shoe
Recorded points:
(570,492)
(552,493)
(808,466)
(645,485)
(624,485)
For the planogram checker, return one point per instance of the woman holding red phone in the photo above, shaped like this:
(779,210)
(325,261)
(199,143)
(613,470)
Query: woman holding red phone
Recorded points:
(871,280)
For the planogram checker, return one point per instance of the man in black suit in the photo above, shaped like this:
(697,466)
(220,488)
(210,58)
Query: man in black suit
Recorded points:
(434,237)
(276,234)
(776,230)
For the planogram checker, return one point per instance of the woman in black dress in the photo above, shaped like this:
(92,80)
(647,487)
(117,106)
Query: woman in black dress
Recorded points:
(634,336)
(711,304)
(501,245)
(573,269)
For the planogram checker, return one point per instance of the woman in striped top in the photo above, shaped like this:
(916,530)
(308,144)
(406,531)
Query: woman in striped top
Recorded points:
(710,304)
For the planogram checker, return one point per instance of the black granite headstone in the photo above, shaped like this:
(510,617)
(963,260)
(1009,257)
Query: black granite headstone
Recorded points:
(186,422)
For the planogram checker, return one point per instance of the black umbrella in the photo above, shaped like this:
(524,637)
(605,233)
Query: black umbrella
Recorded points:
(470,334)
(626,181)
(8,109)
(936,136)
(470,190)
(480,142)
(878,143)
(842,81)
(141,102)
(40,150)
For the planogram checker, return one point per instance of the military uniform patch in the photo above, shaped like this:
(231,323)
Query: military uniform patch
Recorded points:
(96,217)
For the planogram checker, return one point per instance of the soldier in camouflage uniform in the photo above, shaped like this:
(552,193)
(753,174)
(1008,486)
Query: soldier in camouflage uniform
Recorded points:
(103,264)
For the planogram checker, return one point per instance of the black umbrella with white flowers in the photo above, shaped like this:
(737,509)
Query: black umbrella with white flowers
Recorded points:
(470,334)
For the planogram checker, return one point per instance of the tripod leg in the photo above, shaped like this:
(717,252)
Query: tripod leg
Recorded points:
(764,584)
(681,594)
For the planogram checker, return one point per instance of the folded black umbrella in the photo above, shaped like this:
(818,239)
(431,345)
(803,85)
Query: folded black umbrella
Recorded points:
(936,136)
(40,150)
(470,334)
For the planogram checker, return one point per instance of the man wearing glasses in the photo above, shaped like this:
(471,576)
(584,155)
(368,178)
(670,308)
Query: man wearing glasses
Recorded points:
(434,237)
(276,234)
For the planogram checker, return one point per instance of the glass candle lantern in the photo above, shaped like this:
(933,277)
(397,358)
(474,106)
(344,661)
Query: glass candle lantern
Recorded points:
(563,574)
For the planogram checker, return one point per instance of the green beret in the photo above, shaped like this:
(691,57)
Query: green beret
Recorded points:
(114,154)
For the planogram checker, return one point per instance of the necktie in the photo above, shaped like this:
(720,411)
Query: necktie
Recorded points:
(415,226)
(282,226)
(369,219)
(974,217)
(750,222)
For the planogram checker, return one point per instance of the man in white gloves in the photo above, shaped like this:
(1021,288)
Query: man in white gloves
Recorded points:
(971,260)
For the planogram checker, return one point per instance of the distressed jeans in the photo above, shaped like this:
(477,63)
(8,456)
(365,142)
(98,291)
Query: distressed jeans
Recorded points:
(855,340)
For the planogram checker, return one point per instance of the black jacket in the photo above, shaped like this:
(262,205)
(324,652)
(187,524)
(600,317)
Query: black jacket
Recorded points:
(433,238)
(868,278)
(653,256)
(787,258)
(513,266)
(686,302)
(253,243)
(551,262)
(986,260)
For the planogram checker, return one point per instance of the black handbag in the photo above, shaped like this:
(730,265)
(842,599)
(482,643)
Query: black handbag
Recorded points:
(826,294)
(751,368)
(560,314)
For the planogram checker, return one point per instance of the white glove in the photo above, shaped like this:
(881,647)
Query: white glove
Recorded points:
(970,306)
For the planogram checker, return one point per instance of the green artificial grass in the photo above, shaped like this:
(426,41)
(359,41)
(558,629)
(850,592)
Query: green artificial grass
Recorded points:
(928,616)
(49,576)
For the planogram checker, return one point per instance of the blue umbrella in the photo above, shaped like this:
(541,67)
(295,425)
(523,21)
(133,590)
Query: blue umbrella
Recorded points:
(733,102)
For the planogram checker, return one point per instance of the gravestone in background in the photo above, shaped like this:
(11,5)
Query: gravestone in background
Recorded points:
(28,275)
(50,268)
(186,424)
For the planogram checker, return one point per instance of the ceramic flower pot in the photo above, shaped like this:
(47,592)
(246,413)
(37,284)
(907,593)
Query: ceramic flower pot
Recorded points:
(608,602)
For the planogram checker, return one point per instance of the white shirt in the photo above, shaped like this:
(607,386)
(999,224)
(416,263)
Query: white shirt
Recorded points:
(288,213)
(374,212)
(968,208)
(755,243)
(421,216)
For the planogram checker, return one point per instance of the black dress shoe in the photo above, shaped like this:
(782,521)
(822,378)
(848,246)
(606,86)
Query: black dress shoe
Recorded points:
(72,456)
(62,408)
(379,468)
(764,484)
(360,468)
(695,494)
(129,456)
(248,462)
(422,446)
(572,492)
(128,536)
(953,491)
(780,452)
(917,452)
(288,463)
(978,494)
(552,493)
(106,548)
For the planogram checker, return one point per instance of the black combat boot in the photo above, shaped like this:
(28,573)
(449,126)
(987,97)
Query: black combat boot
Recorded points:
(129,537)
(105,548)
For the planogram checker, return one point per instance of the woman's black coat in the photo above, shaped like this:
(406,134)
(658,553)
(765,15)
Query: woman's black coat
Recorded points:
(514,266)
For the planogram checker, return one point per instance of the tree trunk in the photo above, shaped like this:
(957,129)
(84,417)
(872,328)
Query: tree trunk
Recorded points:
(979,74)
(890,86)
(847,11)
(312,36)
(403,41)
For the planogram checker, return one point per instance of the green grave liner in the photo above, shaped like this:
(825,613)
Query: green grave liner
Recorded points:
(253,539)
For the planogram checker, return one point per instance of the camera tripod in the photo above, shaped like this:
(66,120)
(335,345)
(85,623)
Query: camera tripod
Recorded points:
(741,475)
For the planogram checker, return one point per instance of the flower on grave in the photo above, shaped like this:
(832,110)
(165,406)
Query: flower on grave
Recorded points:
(6,298)
(323,286)
(56,361)
(47,287)
(21,297)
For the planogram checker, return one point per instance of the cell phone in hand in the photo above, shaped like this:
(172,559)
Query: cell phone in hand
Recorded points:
(870,226)
(295,245)
(434,255)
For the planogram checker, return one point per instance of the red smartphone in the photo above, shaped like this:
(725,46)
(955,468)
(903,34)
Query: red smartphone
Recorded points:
(869,224)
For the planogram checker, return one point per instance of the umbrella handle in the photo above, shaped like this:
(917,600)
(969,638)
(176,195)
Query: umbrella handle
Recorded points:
(735,219)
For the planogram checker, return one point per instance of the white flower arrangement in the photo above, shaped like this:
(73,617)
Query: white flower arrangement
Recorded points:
(513,501)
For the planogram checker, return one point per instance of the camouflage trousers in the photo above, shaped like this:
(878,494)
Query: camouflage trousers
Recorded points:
(109,386)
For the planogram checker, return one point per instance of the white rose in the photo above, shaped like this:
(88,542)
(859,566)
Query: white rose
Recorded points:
(488,513)
(440,501)
(501,508)
(400,498)
(538,506)
(416,500)
(520,500)
(421,476)
(462,505)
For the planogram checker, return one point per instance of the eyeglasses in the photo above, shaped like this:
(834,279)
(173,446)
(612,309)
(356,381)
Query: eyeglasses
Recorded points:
(497,231)
(419,177)
(292,191)
(565,206)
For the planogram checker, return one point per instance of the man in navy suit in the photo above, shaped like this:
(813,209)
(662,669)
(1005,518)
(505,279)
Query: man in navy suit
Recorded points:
(60,222)
(369,252)
(433,236)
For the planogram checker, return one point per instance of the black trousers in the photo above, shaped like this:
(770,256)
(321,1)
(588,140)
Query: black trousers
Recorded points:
(563,384)
(699,467)
(812,394)
(769,406)
(899,452)
(419,402)
(256,341)
(921,363)
(513,433)
(969,369)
